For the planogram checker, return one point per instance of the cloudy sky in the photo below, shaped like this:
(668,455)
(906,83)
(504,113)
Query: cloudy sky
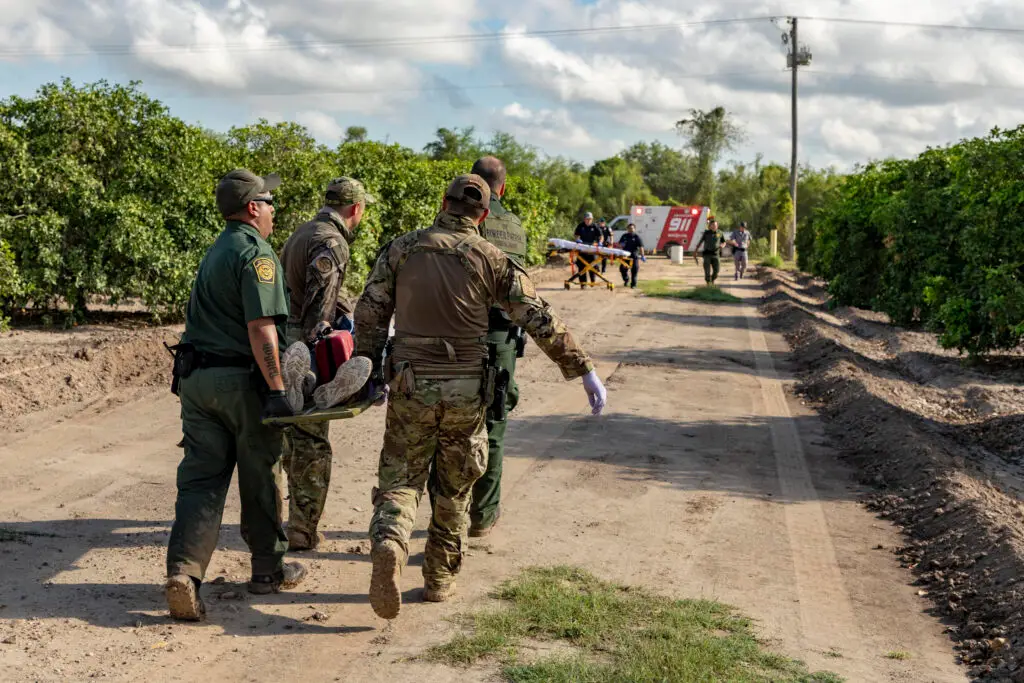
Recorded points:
(581,78)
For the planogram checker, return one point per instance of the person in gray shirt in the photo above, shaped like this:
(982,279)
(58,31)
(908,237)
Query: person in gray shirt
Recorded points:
(740,242)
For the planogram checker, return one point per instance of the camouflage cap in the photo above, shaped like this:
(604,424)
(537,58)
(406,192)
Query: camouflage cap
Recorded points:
(344,191)
(470,189)
(241,186)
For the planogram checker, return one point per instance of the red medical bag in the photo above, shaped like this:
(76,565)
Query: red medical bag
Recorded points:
(332,350)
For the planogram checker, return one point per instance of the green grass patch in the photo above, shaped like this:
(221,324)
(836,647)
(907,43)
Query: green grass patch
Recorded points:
(771,261)
(670,290)
(607,632)
(900,655)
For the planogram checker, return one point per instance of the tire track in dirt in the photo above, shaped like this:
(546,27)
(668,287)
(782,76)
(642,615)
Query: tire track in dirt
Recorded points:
(819,580)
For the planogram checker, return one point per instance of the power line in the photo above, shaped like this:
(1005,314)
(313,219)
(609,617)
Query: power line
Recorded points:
(913,24)
(456,88)
(272,45)
(921,81)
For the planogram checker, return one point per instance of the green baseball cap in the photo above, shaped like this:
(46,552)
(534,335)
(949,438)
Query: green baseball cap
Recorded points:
(344,191)
(241,186)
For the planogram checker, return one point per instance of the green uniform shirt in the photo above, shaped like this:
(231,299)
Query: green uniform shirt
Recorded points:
(239,280)
(712,240)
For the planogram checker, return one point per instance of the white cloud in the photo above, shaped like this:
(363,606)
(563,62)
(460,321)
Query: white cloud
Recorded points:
(323,126)
(545,127)
(871,89)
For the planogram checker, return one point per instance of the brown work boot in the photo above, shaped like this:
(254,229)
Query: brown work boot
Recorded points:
(385,582)
(290,576)
(348,380)
(484,531)
(183,599)
(438,593)
(302,540)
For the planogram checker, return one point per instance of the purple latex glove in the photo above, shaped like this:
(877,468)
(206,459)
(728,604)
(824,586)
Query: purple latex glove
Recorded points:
(596,393)
(381,392)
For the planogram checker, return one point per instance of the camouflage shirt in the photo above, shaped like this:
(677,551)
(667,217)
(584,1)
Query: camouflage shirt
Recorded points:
(440,282)
(315,258)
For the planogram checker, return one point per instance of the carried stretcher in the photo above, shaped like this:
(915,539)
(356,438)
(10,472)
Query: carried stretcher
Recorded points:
(344,411)
(619,257)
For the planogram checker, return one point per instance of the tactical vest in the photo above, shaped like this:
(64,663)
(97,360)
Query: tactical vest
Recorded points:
(444,357)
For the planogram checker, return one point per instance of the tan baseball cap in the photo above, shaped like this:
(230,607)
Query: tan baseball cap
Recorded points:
(470,189)
(344,191)
(241,186)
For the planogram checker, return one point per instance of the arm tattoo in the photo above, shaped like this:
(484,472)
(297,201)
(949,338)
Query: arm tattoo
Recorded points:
(270,358)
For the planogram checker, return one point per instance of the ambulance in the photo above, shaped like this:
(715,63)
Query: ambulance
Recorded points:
(661,227)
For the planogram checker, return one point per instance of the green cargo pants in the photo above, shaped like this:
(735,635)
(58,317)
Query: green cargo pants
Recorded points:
(307,461)
(220,415)
(487,489)
(712,264)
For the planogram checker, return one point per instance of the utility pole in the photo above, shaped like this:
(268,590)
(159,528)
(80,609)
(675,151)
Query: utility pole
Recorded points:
(798,56)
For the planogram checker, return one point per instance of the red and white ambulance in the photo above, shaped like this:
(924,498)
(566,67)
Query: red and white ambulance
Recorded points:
(661,227)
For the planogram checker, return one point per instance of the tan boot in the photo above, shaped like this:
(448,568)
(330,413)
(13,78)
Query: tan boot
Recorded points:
(301,540)
(385,582)
(348,380)
(438,593)
(183,599)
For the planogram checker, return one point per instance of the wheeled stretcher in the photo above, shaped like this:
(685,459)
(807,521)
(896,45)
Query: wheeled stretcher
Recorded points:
(618,257)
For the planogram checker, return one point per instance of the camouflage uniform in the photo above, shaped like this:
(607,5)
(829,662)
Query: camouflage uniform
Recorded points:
(440,283)
(315,259)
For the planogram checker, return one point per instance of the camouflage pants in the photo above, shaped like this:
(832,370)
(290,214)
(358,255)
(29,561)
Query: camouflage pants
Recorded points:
(307,460)
(441,424)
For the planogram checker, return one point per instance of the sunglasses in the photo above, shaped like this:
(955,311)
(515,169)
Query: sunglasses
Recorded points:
(265,200)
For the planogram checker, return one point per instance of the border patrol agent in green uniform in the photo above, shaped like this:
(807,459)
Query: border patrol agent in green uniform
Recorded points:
(315,259)
(505,340)
(227,374)
(710,244)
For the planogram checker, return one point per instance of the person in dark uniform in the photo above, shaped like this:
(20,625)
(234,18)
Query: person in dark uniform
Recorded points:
(586,233)
(228,376)
(606,240)
(503,229)
(710,246)
(632,243)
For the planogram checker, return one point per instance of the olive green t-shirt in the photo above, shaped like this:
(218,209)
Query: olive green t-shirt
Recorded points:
(239,280)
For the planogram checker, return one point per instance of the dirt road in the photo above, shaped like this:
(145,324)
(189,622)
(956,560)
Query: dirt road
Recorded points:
(704,479)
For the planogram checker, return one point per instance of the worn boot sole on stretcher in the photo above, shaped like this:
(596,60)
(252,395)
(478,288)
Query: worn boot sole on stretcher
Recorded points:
(294,366)
(349,379)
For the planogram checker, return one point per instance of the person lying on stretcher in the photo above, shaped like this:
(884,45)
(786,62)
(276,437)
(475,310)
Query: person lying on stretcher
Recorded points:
(324,369)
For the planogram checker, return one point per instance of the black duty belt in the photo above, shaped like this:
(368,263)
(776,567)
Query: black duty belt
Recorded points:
(212,360)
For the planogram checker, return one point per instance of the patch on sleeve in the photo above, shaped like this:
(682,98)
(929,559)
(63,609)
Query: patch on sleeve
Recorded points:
(526,286)
(265,270)
(324,264)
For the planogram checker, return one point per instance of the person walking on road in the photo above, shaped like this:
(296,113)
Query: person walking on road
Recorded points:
(504,230)
(315,259)
(440,284)
(632,243)
(227,373)
(740,242)
(607,238)
(710,246)
(586,233)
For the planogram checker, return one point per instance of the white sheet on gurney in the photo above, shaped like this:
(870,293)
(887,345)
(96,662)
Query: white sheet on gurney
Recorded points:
(586,248)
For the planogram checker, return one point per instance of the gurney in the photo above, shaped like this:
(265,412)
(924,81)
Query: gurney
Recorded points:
(340,412)
(619,257)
